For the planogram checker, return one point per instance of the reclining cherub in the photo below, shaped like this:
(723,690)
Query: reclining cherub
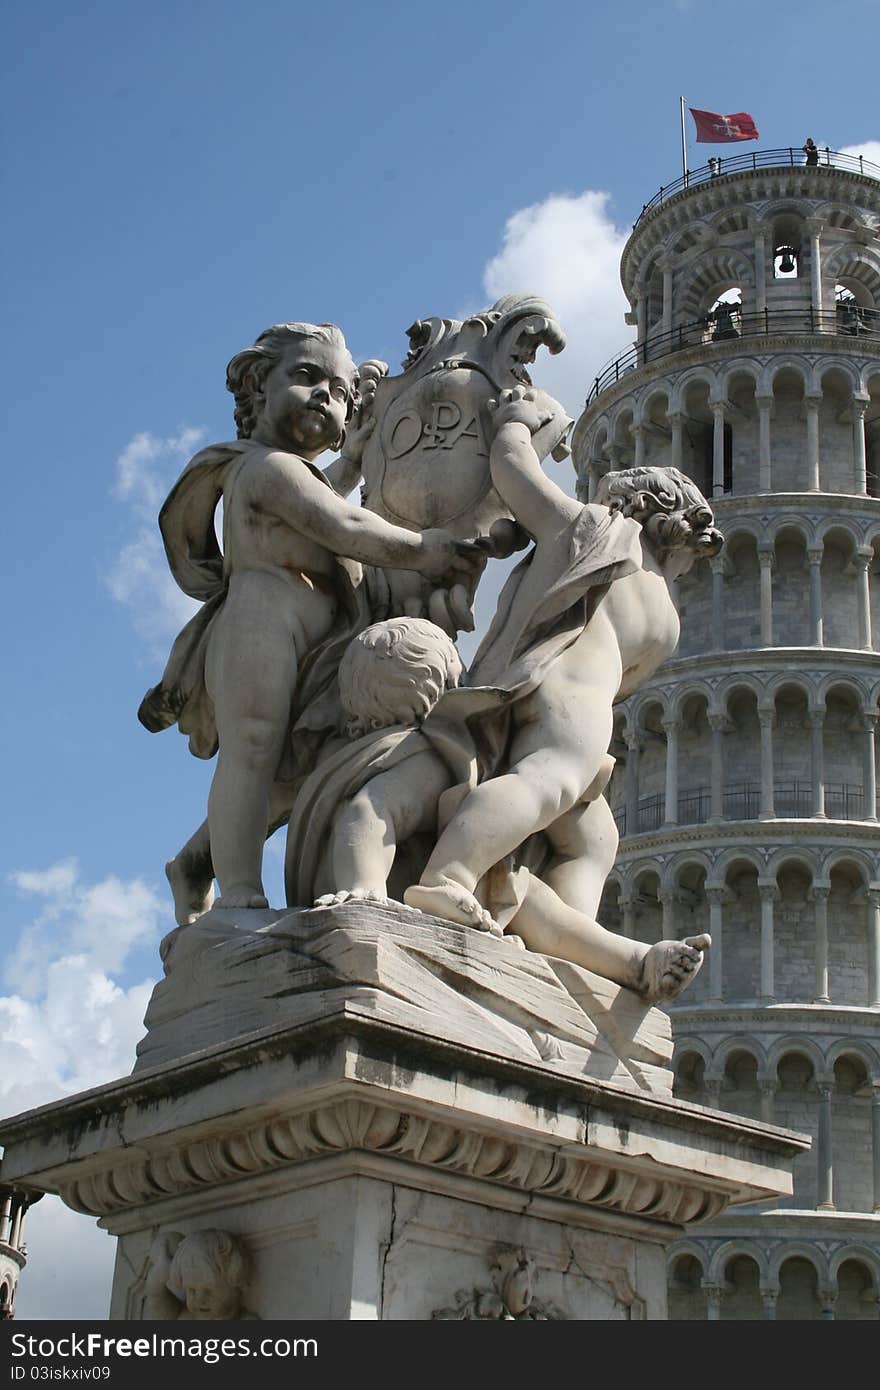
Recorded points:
(388,785)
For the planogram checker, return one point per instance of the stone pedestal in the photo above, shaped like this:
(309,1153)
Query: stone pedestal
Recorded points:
(399,1119)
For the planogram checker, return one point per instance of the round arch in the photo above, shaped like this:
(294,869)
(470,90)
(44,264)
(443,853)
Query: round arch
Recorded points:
(841,367)
(864,1254)
(684,860)
(834,681)
(697,376)
(790,521)
(800,1044)
(858,858)
(731,1250)
(801,366)
(731,685)
(862,1051)
(799,1250)
(843,524)
(740,854)
(744,366)
(684,692)
(808,859)
(744,1042)
(710,273)
(791,680)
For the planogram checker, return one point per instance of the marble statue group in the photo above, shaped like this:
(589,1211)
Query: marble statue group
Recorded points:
(322,669)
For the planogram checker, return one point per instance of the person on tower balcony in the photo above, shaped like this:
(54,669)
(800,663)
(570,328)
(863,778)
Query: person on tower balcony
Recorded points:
(811,151)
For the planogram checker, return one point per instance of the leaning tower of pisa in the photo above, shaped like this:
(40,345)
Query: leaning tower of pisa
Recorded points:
(745,788)
(13,1254)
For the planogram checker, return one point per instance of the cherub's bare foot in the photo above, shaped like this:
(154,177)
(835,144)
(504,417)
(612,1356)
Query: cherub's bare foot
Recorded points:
(352,895)
(669,967)
(451,902)
(192,897)
(242,895)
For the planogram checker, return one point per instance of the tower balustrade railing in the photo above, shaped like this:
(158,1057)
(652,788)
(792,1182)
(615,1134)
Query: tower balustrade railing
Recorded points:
(789,157)
(792,800)
(727,323)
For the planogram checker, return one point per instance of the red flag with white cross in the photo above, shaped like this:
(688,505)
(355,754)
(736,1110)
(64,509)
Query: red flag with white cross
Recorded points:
(715,129)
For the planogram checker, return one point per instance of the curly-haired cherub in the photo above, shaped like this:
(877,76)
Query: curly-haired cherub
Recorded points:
(197,1278)
(275,592)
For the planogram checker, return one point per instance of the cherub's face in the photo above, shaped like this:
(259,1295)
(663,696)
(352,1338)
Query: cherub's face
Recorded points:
(210,1301)
(306,398)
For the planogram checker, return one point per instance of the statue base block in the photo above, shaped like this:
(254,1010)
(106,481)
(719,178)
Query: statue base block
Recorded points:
(411,1135)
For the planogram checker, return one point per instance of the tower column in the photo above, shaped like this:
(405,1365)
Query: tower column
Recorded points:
(861,562)
(719,411)
(824,1157)
(667,903)
(819,894)
(768,1087)
(760,268)
(817,760)
(860,460)
(667,297)
(633,744)
(767,892)
(718,725)
(811,405)
(765,560)
(641,318)
(869,773)
(814,555)
(628,909)
(718,572)
(815,229)
(715,897)
(769,1295)
(875,1143)
(594,473)
(17,1223)
(767,718)
(676,424)
(714,1294)
(638,434)
(874,948)
(671,728)
(765,410)
(6,1218)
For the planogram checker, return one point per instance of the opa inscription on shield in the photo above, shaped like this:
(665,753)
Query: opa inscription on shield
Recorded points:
(434,447)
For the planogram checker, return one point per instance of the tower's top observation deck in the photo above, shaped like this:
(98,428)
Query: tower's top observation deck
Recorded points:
(789,158)
(760,245)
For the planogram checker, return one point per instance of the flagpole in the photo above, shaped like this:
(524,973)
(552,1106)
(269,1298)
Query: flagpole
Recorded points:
(684,158)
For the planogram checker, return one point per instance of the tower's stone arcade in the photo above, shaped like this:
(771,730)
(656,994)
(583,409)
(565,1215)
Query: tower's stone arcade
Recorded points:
(745,788)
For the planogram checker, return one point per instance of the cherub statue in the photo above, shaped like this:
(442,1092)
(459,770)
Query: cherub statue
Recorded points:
(197,1278)
(386,785)
(283,582)
(582,622)
(381,785)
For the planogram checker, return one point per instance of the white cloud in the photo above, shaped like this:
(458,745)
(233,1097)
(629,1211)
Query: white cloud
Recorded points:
(70,1266)
(65,1024)
(567,249)
(870,149)
(139,577)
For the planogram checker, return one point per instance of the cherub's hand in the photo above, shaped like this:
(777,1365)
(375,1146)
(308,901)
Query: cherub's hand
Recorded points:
(442,556)
(518,407)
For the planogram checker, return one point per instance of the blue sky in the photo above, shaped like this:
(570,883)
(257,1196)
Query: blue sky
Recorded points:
(180,175)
